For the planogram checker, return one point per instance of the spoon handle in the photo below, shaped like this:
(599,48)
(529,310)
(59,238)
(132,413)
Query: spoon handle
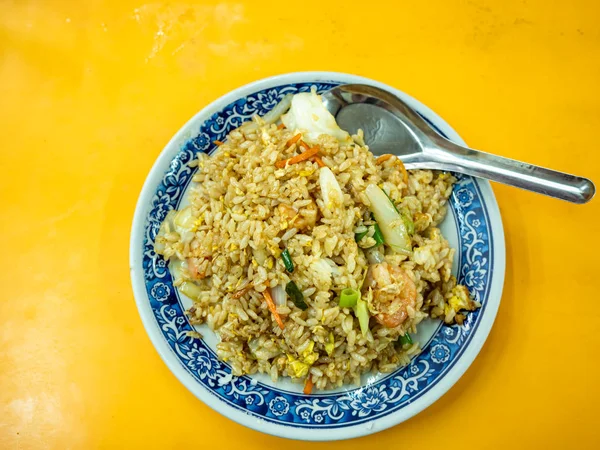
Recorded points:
(514,173)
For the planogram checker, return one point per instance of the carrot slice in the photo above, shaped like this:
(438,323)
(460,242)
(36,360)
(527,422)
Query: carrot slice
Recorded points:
(298,158)
(304,145)
(272,307)
(280,126)
(319,161)
(383,158)
(308,386)
(218,142)
(293,140)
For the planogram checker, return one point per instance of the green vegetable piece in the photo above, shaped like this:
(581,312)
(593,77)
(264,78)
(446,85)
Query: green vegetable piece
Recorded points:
(406,339)
(408,222)
(359,236)
(378,235)
(361,311)
(349,297)
(296,295)
(287,260)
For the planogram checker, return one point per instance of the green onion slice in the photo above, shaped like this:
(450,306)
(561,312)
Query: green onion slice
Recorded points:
(349,297)
(296,295)
(287,260)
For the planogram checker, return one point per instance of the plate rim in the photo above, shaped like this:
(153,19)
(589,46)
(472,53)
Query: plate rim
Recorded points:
(287,431)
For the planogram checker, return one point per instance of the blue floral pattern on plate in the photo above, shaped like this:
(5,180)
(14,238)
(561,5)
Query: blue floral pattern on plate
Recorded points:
(320,410)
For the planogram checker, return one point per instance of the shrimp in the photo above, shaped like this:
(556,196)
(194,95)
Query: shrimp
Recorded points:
(393,293)
(305,218)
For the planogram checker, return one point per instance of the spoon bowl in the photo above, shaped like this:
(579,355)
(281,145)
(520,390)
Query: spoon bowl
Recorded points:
(391,126)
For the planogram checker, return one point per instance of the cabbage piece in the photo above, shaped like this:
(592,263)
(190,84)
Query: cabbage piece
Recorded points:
(185,224)
(330,189)
(309,116)
(191,290)
(279,295)
(390,222)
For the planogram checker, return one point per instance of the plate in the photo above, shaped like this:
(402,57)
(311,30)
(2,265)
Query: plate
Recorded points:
(473,226)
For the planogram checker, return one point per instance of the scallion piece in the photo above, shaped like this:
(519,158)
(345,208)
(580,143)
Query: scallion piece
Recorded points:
(349,297)
(405,339)
(287,260)
(378,235)
(296,295)
(359,236)
(361,311)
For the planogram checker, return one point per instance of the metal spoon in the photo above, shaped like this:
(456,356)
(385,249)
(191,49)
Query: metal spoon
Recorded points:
(391,126)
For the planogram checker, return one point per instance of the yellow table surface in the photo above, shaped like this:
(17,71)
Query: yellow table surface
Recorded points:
(91,91)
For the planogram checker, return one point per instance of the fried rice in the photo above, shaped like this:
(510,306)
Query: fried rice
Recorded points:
(225,253)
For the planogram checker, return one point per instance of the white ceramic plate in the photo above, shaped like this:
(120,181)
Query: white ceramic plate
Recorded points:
(473,226)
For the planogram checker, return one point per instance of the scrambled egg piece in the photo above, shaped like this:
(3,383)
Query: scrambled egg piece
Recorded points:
(330,188)
(309,356)
(330,346)
(197,223)
(274,249)
(461,299)
(298,368)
